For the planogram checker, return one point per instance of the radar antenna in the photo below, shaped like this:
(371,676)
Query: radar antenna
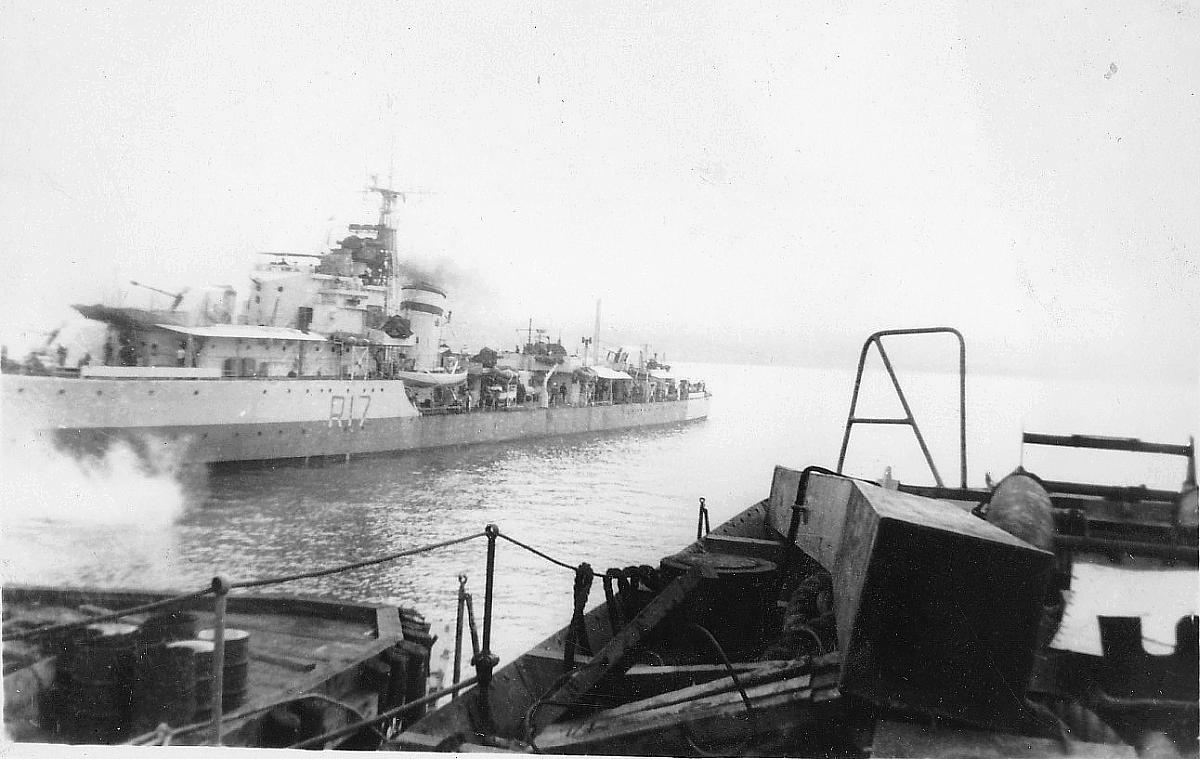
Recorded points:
(385,233)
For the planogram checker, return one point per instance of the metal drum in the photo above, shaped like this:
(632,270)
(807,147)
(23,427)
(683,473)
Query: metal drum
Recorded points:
(95,675)
(176,625)
(202,653)
(732,600)
(164,687)
(235,679)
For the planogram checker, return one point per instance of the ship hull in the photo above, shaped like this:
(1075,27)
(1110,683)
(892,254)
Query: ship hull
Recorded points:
(244,421)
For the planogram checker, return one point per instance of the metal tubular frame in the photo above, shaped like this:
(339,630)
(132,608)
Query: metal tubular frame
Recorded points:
(908,420)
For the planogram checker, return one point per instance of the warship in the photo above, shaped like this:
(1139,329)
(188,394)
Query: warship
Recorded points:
(330,356)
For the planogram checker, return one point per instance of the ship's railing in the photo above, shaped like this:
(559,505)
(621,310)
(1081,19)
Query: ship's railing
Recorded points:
(483,659)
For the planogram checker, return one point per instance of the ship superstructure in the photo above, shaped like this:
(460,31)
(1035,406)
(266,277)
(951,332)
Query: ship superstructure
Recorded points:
(335,354)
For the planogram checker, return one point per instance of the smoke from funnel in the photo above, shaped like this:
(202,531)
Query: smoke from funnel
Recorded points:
(443,273)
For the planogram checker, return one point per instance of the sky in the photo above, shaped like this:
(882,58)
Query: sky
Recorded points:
(763,183)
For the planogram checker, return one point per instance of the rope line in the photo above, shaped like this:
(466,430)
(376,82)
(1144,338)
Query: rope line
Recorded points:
(533,550)
(686,727)
(187,597)
(383,716)
(153,606)
(352,566)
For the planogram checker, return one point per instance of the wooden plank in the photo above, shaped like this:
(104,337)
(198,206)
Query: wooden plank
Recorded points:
(287,662)
(759,548)
(602,728)
(388,624)
(411,740)
(616,649)
(340,657)
(696,673)
(479,748)
(318,680)
(752,676)
(311,628)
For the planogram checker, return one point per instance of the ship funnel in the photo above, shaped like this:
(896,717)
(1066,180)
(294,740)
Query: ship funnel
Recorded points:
(424,305)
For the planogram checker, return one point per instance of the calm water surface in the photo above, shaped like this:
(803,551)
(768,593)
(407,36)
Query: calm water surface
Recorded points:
(612,500)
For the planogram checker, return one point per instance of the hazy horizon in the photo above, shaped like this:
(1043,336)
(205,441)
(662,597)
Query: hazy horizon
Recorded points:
(757,185)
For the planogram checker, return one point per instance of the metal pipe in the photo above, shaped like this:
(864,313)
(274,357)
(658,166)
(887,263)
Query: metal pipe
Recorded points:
(458,627)
(474,628)
(908,414)
(220,590)
(1122,493)
(485,661)
(491,531)
(1129,444)
(962,408)
(1133,547)
(862,362)
(799,514)
(851,420)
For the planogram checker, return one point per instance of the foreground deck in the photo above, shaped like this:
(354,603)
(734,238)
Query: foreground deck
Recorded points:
(298,647)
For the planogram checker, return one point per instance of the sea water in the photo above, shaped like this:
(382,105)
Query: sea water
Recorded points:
(611,499)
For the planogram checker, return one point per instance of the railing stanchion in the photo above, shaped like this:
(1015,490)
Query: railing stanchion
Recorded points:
(220,590)
(485,661)
(458,628)
(472,627)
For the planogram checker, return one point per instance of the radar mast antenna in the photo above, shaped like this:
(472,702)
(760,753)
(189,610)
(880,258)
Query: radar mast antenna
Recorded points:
(385,233)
